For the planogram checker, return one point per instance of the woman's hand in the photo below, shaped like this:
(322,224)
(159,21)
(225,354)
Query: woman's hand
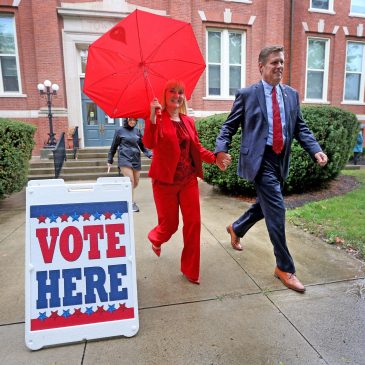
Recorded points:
(155,106)
(109,166)
(223,160)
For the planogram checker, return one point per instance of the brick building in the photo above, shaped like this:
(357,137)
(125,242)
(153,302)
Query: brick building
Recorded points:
(48,40)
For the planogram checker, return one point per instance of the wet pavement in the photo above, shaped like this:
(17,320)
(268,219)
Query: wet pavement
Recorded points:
(239,314)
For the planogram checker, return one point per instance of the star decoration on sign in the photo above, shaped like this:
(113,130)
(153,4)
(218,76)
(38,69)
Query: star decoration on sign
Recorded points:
(54,314)
(118,215)
(75,217)
(78,312)
(64,217)
(111,308)
(89,311)
(97,216)
(52,218)
(66,313)
(42,316)
(41,219)
(122,306)
(100,309)
(86,216)
(107,215)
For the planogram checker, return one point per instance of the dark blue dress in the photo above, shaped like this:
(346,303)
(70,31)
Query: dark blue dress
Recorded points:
(128,142)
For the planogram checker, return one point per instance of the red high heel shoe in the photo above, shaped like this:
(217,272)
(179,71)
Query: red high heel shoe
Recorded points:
(156,250)
(197,282)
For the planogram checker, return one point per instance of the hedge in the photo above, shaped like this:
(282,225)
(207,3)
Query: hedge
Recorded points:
(335,130)
(16,144)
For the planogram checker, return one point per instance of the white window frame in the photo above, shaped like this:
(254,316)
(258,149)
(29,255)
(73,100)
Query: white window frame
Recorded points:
(360,15)
(361,100)
(224,86)
(16,54)
(325,72)
(316,10)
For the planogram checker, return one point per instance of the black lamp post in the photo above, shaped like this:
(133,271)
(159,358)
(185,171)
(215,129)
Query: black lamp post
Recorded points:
(48,89)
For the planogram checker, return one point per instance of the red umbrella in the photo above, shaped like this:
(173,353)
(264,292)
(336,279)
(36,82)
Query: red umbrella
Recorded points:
(131,63)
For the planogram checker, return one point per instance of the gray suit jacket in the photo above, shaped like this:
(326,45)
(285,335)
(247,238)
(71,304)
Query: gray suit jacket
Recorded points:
(249,111)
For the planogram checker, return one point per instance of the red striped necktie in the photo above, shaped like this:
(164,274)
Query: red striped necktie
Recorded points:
(277,143)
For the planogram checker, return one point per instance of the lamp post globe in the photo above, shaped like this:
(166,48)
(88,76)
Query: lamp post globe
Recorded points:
(47,89)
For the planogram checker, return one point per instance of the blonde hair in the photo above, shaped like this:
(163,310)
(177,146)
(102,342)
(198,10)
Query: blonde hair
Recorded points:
(179,85)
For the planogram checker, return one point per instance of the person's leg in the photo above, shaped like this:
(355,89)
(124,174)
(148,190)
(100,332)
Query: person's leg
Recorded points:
(136,174)
(190,210)
(167,207)
(356,157)
(268,186)
(247,220)
(128,172)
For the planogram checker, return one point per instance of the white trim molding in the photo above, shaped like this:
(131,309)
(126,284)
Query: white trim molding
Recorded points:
(227,15)
(360,30)
(202,15)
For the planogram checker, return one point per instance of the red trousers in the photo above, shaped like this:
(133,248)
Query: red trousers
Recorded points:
(168,199)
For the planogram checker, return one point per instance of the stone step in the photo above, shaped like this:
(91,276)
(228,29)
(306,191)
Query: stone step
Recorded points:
(81,176)
(89,165)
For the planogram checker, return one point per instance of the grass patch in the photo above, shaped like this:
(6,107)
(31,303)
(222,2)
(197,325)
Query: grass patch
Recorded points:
(339,220)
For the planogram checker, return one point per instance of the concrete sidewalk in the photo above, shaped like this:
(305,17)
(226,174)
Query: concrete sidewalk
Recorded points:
(239,314)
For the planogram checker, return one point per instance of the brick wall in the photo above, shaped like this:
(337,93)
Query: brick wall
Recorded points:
(39,36)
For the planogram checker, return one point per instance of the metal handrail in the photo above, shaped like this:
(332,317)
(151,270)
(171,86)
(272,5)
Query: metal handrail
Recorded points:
(75,141)
(59,155)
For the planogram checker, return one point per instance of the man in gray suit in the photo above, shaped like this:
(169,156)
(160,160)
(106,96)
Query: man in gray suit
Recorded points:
(270,117)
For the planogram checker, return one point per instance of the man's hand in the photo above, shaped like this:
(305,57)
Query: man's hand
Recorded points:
(223,160)
(321,158)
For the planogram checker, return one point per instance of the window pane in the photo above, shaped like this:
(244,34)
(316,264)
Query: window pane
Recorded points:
(7,43)
(358,6)
(352,88)
(315,85)
(354,57)
(83,56)
(214,47)
(9,72)
(235,48)
(320,4)
(214,80)
(91,114)
(316,54)
(234,79)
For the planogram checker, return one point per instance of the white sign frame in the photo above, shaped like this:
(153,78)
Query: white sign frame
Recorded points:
(60,271)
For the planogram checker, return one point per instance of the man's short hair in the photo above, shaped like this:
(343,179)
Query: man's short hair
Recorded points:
(266,52)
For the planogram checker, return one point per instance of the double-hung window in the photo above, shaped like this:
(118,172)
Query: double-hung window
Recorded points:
(322,6)
(226,59)
(357,8)
(9,66)
(355,72)
(317,69)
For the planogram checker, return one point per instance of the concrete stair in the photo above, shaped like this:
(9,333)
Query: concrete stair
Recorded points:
(90,164)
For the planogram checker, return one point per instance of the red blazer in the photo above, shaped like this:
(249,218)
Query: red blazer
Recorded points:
(162,138)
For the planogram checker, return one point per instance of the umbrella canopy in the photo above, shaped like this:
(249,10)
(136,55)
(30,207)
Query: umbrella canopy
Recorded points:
(131,63)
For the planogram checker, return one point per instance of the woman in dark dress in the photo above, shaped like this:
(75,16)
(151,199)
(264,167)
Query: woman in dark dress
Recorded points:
(128,141)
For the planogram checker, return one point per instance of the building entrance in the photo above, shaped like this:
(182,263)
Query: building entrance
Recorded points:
(99,128)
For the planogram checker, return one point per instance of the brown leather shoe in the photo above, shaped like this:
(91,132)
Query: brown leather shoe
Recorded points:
(235,240)
(289,280)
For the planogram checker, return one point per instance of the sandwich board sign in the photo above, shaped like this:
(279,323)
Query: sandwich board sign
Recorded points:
(80,272)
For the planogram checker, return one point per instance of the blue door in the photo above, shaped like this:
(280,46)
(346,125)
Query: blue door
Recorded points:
(99,128)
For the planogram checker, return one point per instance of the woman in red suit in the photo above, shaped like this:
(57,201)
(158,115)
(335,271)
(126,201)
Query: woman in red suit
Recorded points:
(176,164)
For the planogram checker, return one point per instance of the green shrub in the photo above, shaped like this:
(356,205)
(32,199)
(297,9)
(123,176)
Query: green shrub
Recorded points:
(16,144)
(335,130)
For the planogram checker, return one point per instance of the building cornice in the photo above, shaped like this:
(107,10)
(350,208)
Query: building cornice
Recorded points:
(102,9)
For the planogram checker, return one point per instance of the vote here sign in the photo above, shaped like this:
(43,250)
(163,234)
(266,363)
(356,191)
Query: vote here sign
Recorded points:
(80,262)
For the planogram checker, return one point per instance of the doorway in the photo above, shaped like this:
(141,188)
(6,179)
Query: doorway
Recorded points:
(99,128)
